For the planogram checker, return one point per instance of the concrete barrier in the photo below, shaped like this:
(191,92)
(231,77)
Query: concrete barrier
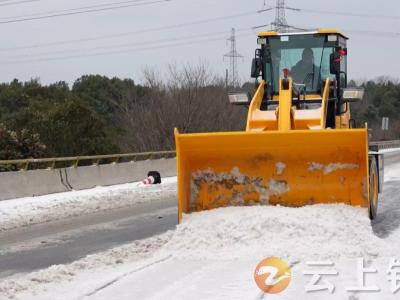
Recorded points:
(30,183)
(42,182)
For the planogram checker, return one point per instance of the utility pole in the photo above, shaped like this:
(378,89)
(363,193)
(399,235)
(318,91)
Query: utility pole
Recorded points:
(233,56)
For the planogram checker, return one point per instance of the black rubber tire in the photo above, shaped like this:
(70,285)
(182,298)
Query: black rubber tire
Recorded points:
(373,188)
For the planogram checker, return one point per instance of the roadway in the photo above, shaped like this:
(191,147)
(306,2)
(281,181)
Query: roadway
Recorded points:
(61,242)
(40,246)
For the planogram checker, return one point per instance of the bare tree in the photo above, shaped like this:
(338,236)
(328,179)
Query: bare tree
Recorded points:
(192,100)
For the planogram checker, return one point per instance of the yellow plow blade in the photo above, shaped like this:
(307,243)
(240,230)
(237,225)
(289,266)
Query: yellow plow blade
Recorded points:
(292,168)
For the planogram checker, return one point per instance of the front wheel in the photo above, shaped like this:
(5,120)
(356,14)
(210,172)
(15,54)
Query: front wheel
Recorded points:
(373,188)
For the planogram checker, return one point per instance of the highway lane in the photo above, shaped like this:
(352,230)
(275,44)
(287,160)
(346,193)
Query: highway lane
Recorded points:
(40,246)
(65,241)
(392,158)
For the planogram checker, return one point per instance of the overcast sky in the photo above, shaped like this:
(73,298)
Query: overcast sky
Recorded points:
(126,31)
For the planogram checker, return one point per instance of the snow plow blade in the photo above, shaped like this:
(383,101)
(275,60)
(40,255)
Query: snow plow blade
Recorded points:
(293,168)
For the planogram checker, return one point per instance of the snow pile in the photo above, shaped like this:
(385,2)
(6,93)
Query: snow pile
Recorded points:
(392,174)
(136,251)
(212,254)
(390,150)
(34,210)
(214,242)
(319,231)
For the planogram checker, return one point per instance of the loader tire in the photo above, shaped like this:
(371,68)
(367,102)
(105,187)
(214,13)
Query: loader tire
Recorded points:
(373,188)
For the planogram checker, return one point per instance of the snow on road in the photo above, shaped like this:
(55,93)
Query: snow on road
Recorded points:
(230,233)
(22,212)
(392,174)
(213,254)
(83,271)
(389,150)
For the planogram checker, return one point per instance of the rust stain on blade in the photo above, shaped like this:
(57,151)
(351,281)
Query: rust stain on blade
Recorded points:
(211,190)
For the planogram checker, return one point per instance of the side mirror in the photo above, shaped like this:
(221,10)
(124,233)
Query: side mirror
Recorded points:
(239,98)
(335,63)
(352,94)
(256,67)
(335,59)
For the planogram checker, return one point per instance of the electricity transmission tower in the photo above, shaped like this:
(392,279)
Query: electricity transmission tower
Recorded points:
(233,55)
(280,22)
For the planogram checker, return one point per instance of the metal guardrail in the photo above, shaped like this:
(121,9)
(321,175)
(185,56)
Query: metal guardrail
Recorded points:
(50,163)
(376,146)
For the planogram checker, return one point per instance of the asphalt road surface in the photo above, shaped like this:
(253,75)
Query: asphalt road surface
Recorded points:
(61,242)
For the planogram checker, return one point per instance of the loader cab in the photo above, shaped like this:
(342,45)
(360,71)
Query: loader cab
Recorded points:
(309,59)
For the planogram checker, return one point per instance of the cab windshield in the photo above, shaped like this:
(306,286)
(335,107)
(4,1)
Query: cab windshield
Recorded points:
(307,57)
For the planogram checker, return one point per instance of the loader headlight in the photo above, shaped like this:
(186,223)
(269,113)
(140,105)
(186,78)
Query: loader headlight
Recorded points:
(239,98)
(353,94)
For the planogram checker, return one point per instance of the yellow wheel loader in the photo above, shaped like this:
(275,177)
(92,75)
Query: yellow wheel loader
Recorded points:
(300,146)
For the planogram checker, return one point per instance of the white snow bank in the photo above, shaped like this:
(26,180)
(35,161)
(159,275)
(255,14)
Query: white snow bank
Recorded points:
(212,255)
(318,231)
(392,173)
(389,150)
(34,210)
(218,244)
(106,261)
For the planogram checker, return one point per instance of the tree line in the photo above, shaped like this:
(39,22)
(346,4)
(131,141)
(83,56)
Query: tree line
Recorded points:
(101,115)
(381,99)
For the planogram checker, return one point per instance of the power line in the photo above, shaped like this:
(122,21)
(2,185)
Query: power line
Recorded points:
(288,27)
(376,33)
(117,52)
(83,11)
(16,3)
(355,31)
(156,46)
(280,23)
(314,11)
(187,37)
(71,9)
(118,35)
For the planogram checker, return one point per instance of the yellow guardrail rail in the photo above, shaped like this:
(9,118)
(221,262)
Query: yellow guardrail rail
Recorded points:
(73,161)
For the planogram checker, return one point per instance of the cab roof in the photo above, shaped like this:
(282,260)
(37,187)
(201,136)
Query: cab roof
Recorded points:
(320,31)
